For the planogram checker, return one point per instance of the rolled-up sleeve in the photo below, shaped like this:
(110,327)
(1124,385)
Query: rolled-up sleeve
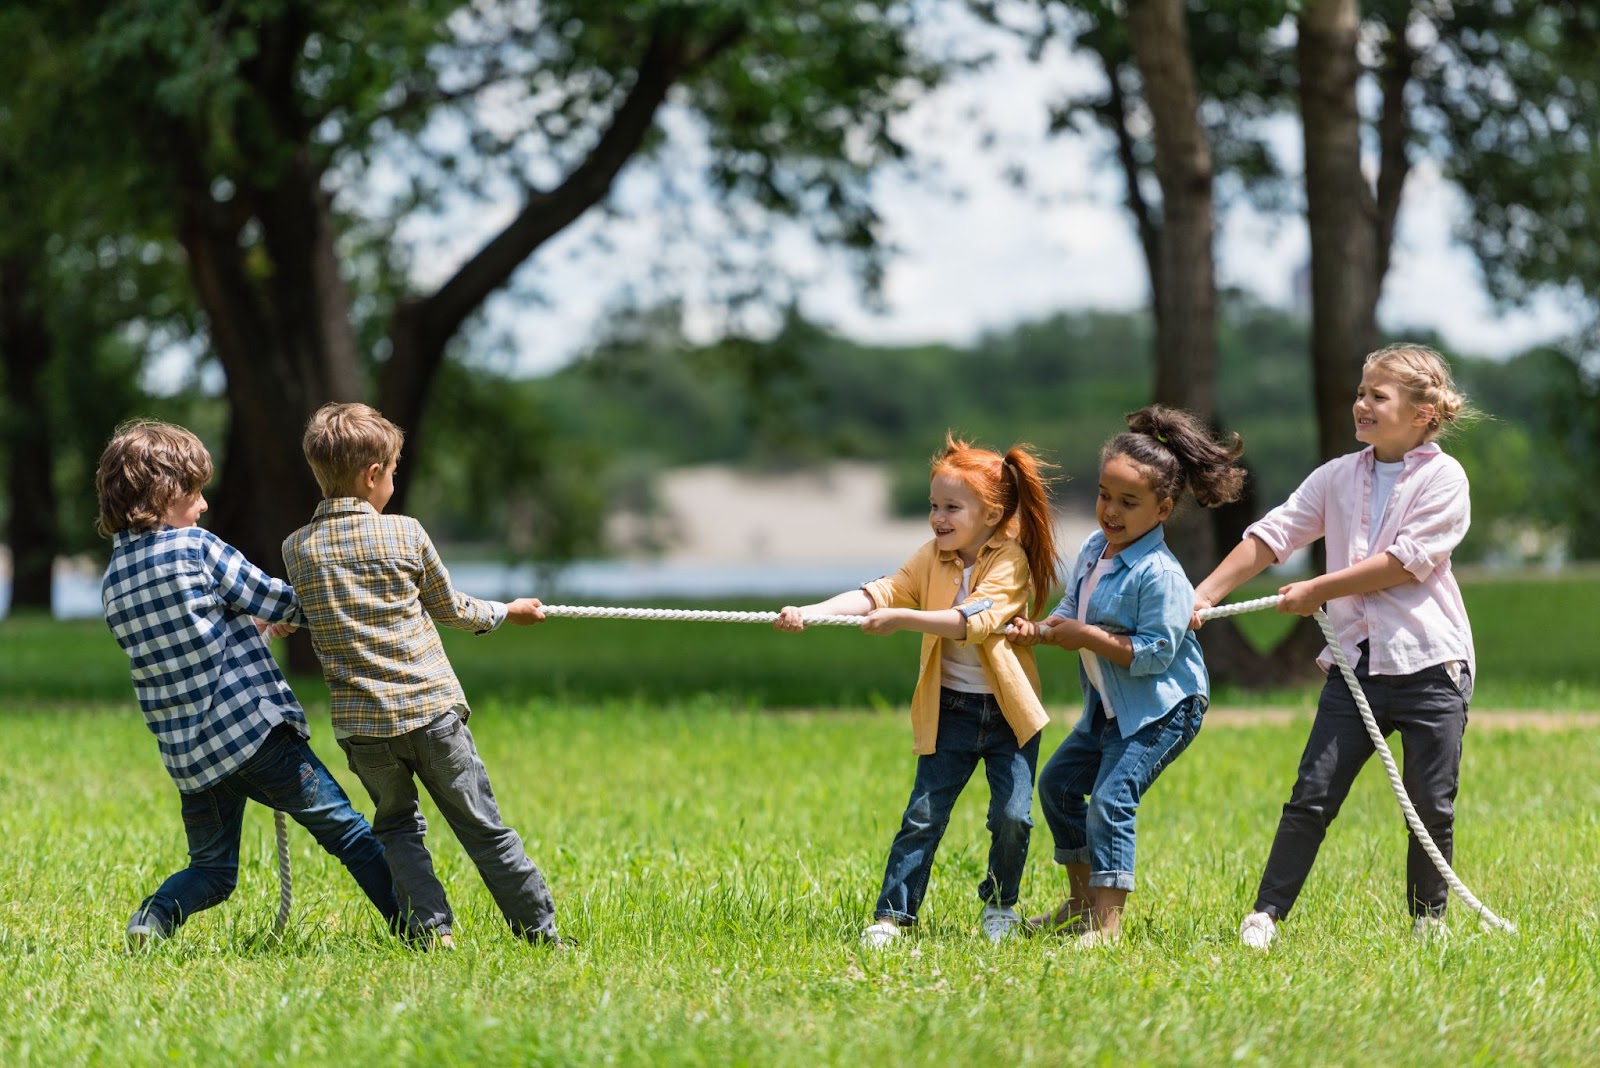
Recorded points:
(1434,525)
(1166,602)
(997,598)
(1298,521)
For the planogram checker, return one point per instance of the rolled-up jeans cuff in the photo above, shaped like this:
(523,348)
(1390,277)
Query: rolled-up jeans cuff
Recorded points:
(1116,880)
(1079,855)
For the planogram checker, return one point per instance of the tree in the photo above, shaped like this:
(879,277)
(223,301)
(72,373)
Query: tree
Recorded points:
(254,124)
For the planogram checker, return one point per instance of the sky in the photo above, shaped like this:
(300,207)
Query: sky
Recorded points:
(974,252)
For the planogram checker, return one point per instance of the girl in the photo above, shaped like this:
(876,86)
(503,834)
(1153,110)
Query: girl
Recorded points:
(1126,609)
(1392,513)
(977,698)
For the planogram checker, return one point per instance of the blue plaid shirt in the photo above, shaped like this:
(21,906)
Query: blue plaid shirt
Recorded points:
(179,602)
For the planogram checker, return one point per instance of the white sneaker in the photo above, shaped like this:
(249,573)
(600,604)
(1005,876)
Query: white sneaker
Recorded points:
(144,931)
(1430,929)
(999,924)
(880,934)
(1258,930)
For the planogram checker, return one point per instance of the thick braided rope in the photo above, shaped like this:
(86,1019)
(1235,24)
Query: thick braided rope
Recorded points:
(688,615)
(1395,782)
(285,880)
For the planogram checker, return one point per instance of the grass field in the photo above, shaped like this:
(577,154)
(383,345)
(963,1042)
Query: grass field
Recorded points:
(713,864)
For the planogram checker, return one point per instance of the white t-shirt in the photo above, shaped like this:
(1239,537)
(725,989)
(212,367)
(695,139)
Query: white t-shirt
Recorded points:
(1383,477)
(960,667)
(1091,662)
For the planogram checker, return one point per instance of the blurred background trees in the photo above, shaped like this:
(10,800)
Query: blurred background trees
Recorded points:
(210,211)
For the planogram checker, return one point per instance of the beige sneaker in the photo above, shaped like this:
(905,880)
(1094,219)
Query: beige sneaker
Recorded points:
(1099,938)
(1430,930)
(1062,921)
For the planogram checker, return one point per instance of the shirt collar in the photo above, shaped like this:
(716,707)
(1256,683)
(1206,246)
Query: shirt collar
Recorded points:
(997,540)
(342,506)
(1152,540)
(1428,448)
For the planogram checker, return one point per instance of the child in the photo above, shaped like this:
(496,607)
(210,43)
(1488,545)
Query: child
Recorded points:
(977,698)
(179,601)
(1391,513)
(373,588)
(1126,609)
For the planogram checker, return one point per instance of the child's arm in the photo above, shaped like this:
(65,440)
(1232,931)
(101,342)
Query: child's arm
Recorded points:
(447,605)
(946,623)
(849,603)
(247,589)
(1073,634)
(1369,576)
(1248,559)
(1024,631)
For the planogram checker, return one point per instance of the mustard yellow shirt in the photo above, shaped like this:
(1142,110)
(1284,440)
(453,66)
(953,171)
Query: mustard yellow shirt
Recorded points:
(929,581)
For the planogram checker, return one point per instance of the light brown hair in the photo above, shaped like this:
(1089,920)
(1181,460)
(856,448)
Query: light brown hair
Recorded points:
(146,468)
(1426,378)
(1015,484)
(344,439)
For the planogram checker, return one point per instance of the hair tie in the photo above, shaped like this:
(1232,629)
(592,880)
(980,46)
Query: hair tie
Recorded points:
(1161,437)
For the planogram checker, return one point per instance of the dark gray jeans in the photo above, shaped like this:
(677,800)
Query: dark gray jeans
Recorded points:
(1429,709)
(444,759)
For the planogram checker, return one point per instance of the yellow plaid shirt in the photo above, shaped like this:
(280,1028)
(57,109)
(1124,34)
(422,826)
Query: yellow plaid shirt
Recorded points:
(373,587)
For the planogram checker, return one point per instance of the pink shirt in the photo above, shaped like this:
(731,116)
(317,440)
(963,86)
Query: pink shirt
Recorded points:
(1410,626)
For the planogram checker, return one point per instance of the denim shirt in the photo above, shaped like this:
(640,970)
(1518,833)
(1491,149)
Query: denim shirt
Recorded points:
(1147,597)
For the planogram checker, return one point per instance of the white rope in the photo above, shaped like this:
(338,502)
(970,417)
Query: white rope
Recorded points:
(688,615)
(285,879)
(1395,783)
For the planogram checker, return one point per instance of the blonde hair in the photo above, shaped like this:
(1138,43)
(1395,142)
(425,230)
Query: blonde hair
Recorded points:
(344,439)
(1426,378)
(147,467)
(1016,486)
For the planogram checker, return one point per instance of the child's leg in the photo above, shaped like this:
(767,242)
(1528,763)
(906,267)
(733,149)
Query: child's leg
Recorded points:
(449,766)
(211,821)
(1128,768)
(1010,770)
(385,767)
(941,775)
(1430,713)
(1335,752)
(286,774)
(1064,786)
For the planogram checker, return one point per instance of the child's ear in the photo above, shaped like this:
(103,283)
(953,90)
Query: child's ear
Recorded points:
(370,476)
(1164,509)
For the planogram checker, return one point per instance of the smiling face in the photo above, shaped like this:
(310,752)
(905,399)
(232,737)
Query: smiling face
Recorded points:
(959,521)
(1127,507)
(185,511)
(1386,417)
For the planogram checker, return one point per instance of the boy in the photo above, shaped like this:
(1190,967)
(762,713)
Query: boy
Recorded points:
(373,587)
(179,601)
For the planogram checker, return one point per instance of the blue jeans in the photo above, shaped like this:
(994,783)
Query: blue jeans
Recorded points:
(283,774)
(1113,773)
(444,758)
(971,728)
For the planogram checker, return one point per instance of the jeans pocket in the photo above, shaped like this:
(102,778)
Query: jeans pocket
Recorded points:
(286,778)
(448,743)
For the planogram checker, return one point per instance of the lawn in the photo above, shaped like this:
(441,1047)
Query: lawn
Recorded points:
(713,868)
(713,862)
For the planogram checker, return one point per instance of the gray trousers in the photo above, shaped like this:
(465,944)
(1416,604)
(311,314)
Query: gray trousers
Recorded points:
(444,759)
(1429,710)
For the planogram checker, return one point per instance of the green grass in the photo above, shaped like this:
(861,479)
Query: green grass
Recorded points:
(714,867)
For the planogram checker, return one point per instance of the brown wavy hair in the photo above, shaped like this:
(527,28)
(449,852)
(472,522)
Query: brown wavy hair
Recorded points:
(1014,483)
(147,467)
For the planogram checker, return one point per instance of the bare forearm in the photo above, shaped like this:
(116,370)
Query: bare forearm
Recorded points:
(1117,648)
(1375,573)
(947,623)
(849,603)
(1247,560)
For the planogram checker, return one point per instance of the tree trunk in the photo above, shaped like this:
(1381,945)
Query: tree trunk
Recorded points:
(26,346)
(1341,214)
